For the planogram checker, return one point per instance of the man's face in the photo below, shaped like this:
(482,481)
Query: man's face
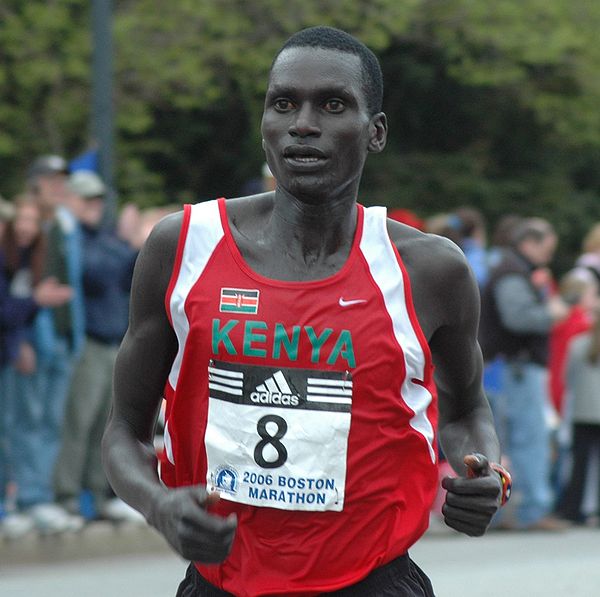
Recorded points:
(316,126)
(92,210)
(27,224)
(540,252)
(52,189)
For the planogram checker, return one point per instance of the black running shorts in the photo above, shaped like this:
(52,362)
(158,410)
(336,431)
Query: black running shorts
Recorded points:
(399,578)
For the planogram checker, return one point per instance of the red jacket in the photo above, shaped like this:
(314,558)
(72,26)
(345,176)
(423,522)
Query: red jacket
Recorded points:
(577,322)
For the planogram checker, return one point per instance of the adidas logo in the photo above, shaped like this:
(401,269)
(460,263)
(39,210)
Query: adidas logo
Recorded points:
(275,390)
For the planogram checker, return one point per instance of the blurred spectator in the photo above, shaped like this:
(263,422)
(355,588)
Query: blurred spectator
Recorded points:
(493,372)
(22,292)
(6,214)
(578,289)
(502,237)
(129,225)
(46,180)
(466,228)
(107,270)
(470,224)
(22,254)
(583,383)
(7,211)
(58,336)
(517,315)
(590,257)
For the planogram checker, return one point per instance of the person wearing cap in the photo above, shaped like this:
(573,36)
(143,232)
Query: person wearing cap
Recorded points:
(46,178)
(107,269)
(58,334)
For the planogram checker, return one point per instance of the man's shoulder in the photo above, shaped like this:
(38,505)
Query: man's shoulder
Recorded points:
(423,252)
(163,239)
(443,285)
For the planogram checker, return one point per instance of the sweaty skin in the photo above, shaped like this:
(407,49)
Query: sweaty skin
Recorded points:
(317,134)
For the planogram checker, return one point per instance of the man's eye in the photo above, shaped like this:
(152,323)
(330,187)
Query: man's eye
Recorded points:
(282,105)
(334,105)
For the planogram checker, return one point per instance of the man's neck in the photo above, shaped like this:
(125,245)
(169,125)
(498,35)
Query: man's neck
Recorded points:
(314,229)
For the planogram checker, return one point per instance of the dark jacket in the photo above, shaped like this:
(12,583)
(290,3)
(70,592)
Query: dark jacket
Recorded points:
(495,338)
(15,316)
(107,270)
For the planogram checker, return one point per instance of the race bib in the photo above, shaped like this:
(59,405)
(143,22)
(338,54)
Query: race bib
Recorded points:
(278,437)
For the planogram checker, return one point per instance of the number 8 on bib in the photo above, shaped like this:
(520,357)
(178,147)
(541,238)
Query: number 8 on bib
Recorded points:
(278,437)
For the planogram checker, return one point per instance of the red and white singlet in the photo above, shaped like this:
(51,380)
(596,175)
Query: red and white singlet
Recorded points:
(310,407)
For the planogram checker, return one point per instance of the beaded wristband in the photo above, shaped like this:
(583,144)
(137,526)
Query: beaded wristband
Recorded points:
(506,481)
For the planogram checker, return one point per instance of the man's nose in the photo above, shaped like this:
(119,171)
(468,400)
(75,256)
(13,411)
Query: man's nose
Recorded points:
(306,123)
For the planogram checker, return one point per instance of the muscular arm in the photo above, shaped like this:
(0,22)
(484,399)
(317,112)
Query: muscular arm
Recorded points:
(466,426)
(446,298)
(141,371)
(466,423)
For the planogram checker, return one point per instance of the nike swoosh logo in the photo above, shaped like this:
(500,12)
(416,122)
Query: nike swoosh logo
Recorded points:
(344,303)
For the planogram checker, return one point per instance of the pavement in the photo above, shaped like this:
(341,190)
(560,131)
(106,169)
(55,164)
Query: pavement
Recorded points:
(130,561)
(512,564)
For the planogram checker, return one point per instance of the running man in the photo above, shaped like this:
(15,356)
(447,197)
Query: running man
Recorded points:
(294,335)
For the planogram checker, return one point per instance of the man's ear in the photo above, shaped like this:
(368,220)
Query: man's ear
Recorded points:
(378,132)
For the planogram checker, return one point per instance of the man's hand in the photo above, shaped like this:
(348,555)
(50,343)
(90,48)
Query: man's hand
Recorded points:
(471,502)
(181,516)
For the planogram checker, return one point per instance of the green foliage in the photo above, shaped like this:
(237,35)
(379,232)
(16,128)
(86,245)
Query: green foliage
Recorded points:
(44,85)
(545,50)
(493,104)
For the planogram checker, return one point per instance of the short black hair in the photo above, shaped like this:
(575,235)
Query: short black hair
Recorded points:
(330,38)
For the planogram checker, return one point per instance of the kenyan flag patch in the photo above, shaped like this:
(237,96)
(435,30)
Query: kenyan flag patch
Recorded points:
(239,300)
